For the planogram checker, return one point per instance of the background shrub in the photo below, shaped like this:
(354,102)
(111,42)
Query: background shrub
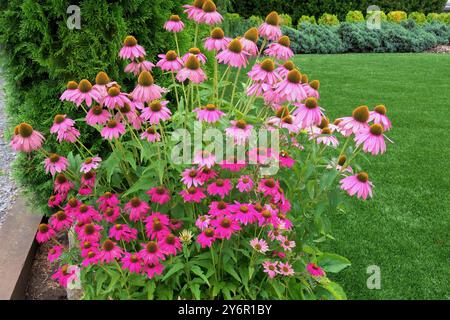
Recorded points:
(286,20)
(397,16)
(418,17)
(383,16)
(354,16)
(311,38)
(356,37)
(440,31)
(307,19)
(40,55)
(328,19)
(255,21)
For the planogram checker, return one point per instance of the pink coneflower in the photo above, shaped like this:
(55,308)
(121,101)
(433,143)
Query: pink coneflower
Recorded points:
(55,164)
(203,222)
(315,270)
(56,200)
(44,233)
(191,177)
(267,216)
(70,135)
(312,89)
(170,62)
(206,237)
(249,42)
(86,213)
(88,178)
(289,122)
(157,226)
(245,184)
(137,209)
(85,93)
(204,158)
(60,220)
(259,245)
(285,269)
(269,187)
(131,49)
(193,194)
(287,244)
(131,262)
(225,227)
(64,275)
(156,111)
(378,116)
(195,52)
(85,190)
(219,208)
(111,214)
(270,29)
(233,164)
(151,135)
(281,49)
(276,235)
(258,89)
(285,160)
(152,269)
(102,82)
(90,232)
(194,11)
(175,224)
(371,139)
(358,184)
(221,188)
(240,131)
(115,98)
(174,24)
(217,40)
(97,115)
(151,253)
(26,139)
(72,206)
(326,138)
(62,184)
(61,123)
(159,195)
(71,90)
(170,245)
(284,69)
(136,67)
(264,72)
(54,253)
(234,55)
(270,268)
(108,200)
(244,213)
(146,89)
(90,164)
(291,89)
(192,71)
(123,232)
(209,113)
(210,15)
(355,123)
(110,251)
(112,129)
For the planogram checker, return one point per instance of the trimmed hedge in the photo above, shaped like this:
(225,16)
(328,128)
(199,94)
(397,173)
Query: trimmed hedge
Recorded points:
(297,8)
(40,54)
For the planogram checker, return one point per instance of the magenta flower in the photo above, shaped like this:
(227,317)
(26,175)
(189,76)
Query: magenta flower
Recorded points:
(136,67)
(170,62)
(174,24)
(217,40)
(234,55)
(71,90)
(315,270)
(131,49)
(221,188)
(239,130)
(107,200)
(122,232)
(137,209)
(207,237)
(206,174)
(110,251)
(55,200)
(195,11)
(355,123)
(245,184)
(285,269)
(44,233)
(371,139)
(193,194)
(191,177)
(115,98)
(132,262)
(225,227)
(151,135)
(309,113)
(270,268)
(204,158)
(203,222)
(85,93)
(259,245)
(146,89)
(152,269)
(65,274)
(113,129)
(287,244)
(192,71)
(170,245)
(60,220)
(159,195)
(219,208)
(325,137)
(55,164)
(281,49)
(249,42)
(26,139)
(90,164)
(378,116)
(195,52)
(156,111)
(62,184)
(151,253)
(270,29)
(111,214)
(264,72)
(90,232)
(210,15)
(97,115)
(54,253)
(285,160)
(284,69)
(157,226)
(209,113)
(244,213)
(358,184)
(291,88)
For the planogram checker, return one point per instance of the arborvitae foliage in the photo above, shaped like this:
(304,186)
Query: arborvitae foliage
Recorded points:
(40,54)
(297,8)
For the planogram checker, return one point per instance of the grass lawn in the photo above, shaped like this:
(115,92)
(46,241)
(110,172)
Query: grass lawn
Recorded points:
(405,229)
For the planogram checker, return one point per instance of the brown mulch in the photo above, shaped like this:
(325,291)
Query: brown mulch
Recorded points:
(440,49)
(40,285)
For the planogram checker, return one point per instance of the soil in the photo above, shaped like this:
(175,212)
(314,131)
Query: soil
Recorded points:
(440,49)
(40,285)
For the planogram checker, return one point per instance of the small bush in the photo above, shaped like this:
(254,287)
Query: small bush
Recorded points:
(328,20)
(383,16)
(433,17)
(356,37)
(418,17)
(397,16)
(307,19)
(318,39)
(234,25)
(354,16)
(255,21)
(286,20)
(444,18)
(440,31)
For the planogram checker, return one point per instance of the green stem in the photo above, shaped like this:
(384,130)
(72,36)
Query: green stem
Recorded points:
(235,85)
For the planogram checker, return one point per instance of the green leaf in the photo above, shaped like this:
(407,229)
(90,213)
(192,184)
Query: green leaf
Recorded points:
(175,268)
(198,271)
(332,262)
(151,290)
(336,290)
(230,270)
(195,289)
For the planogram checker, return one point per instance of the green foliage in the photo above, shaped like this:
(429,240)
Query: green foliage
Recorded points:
(418,17)
(307,19)
(354,16)
(255,21)
(310,38)
(40,54)
(286,20)
(397,16)
(328,19)
(381,14)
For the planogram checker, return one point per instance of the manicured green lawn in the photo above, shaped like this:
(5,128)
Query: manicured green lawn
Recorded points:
(405,229)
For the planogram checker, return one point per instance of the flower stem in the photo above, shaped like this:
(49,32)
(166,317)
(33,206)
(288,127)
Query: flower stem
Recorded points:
(235,85)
